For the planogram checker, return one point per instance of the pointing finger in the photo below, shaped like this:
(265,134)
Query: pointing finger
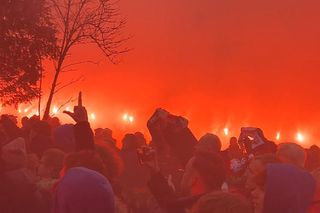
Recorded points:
(68,113)
(80,99)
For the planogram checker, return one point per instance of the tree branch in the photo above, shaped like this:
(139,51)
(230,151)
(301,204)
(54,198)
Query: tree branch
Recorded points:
(73,81)
(81,62)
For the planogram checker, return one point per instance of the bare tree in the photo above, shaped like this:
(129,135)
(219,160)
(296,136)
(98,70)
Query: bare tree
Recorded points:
(85,22)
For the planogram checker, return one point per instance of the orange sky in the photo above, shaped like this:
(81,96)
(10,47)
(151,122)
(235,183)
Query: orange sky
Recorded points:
(219,63)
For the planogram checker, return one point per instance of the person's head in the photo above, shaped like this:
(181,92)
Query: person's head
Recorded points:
(104,137)
(313,158)
(82,190)
(291,153)
(40,128)
(64,138)
(209,142)
(217,202)
(283,188)
(9,128)
(233,142)
(87,159)
(129,142)
(51,163)
(204,172)
(102,133)
(141,139)
(234,150)
(25,122)
(112,161)
(54,122)
(257,165)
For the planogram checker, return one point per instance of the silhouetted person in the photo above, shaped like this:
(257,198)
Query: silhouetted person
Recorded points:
(313,158)
(40,138)
(64,138)
(9,129)
(204,173)
(140,139)
(209,142)
(104,137)
(134,177)
(292,153)
(18,191)
(84,138)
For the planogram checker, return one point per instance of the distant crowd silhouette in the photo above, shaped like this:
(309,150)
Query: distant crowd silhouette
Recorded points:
(49,167)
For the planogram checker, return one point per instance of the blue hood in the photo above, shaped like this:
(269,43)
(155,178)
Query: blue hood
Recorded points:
(289,189)
(82,190)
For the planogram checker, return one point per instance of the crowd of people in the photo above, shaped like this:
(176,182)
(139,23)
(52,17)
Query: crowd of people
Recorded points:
(49,167)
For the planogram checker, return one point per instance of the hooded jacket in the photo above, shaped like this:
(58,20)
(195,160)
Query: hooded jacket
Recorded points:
(82,190)
(289,189)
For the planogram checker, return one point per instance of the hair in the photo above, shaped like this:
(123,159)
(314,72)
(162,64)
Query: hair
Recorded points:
(141,139)
(10,129)
(210,141)
(42,127)
(211,168)
(88,159)
(112,161)
(218,202)
(54,158)
(129,142)
(233,141)
(293,153)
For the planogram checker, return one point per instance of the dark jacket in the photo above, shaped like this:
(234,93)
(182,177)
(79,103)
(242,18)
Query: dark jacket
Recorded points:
(166,198)
(17,195)
(83,136)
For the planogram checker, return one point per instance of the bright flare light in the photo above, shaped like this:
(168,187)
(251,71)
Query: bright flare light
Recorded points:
(226,131)
(128,118)
(19,111)
(300,137)
(55,110)
(278,136)
(125,117)
(131,119)
(93,116)
(26,110)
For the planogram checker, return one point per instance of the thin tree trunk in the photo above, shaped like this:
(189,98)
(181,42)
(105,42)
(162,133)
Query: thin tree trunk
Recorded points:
(46,114)
(40,95)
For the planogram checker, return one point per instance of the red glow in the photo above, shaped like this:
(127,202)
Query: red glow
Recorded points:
(243,63)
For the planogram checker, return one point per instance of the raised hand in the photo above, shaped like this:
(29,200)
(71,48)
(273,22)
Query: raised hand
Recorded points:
(79,113)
